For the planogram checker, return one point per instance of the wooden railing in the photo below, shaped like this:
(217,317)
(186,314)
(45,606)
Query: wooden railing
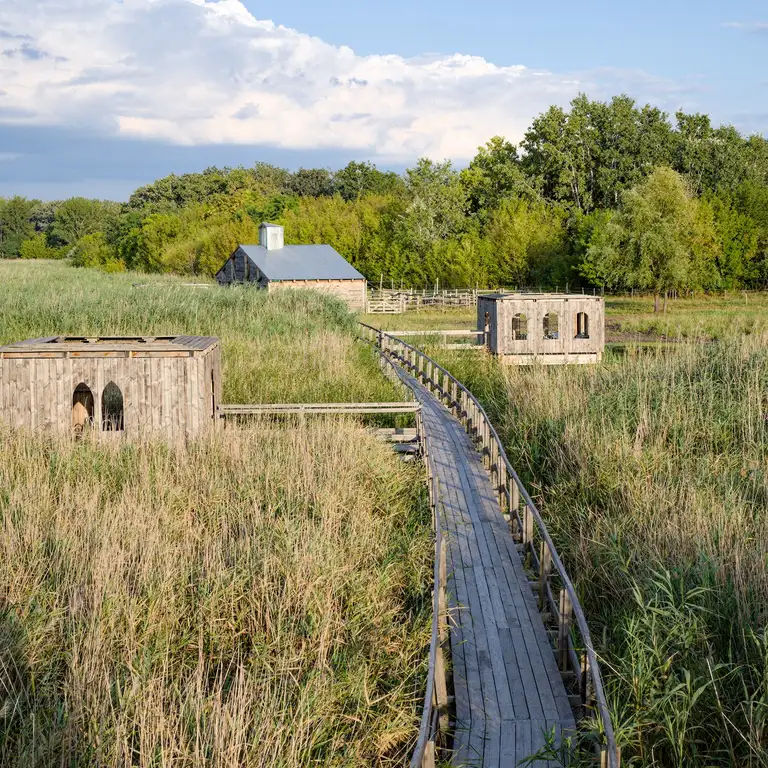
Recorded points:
(446,339)
(557,596)
(276,409)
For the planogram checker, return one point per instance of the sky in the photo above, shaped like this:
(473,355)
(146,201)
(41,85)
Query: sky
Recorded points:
(98,97)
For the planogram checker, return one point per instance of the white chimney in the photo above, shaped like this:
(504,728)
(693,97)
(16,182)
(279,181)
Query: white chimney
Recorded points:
(271,236)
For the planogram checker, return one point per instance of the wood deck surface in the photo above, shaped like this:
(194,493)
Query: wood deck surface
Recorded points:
(508,689)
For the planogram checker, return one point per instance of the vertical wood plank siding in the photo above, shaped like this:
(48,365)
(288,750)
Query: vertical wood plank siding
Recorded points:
(170,396)
(537,347)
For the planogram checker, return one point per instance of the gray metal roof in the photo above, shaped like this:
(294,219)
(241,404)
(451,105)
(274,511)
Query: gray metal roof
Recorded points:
(301,262)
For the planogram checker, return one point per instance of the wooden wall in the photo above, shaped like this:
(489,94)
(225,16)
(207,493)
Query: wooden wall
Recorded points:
(502,312)
(168,396)
(354,292)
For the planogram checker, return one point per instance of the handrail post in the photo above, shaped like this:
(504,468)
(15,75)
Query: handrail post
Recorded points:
(514,508)
(586,689)
(564,628)
(545,571)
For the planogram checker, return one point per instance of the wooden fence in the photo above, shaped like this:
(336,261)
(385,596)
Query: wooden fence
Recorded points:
(557,596)
(389,301)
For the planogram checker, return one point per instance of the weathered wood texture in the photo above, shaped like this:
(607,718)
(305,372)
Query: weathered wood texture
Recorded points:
(549,329)
(275,409)
(395,302)
(508,689)
(169,389)
(354,292)
(505,689)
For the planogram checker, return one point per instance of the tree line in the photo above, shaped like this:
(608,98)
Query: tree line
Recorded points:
(603,194)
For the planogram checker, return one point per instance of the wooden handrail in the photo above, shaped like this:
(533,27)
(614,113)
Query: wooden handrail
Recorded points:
(268,409)
(511,490)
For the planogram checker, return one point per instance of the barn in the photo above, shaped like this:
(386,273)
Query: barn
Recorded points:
(274,266)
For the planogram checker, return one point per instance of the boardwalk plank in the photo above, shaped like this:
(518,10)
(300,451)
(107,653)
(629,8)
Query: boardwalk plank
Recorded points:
(506,683)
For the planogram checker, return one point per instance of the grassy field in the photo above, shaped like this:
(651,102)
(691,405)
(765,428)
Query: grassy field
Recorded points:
(293,348)
(627,320)
(652,472)
(260,597)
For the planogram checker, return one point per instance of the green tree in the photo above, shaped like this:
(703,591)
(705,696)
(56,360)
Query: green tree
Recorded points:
(356,180)
(434,209)
(658,241)
(527,240)
(94,251)
(596,250)
(78,217)
(15,225)
(494,175)
(311,182)
(36,247)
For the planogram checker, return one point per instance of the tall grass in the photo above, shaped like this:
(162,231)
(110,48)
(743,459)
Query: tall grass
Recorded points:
(258,597)
(261,598)
(652,473)
(710,317)
(293,346)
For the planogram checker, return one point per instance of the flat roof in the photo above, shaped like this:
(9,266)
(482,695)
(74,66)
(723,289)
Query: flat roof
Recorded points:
(540,296)
(106,346)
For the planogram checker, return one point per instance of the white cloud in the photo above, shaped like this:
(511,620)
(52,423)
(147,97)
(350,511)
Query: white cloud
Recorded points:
(206,71)
(748,26)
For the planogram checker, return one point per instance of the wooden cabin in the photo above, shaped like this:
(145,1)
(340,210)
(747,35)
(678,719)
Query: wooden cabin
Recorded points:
(272,265)
(167,387)
(545,328)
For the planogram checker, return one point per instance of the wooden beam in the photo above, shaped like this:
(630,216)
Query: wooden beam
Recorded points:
(319,408)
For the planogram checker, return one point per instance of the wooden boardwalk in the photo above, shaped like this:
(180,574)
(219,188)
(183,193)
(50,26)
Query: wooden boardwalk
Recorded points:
(507,686)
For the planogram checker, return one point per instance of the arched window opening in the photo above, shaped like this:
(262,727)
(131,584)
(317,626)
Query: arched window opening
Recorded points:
(582,325)
(520,327)
(551,326)
(82,409)
(112,413)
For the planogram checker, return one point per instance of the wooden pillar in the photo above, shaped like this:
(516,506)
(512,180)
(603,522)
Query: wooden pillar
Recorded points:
(564,628)
(545,571)
(514,506)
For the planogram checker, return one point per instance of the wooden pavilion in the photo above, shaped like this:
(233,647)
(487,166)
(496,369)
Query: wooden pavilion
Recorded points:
(146,386)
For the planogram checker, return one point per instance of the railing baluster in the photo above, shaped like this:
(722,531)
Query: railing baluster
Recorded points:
(545,571)
(564,628)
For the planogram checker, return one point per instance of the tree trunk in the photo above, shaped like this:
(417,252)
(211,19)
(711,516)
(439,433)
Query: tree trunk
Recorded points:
(666,295)
(655,302)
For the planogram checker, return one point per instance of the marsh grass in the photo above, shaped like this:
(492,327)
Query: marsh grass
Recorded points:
(707,317)
(652,473)
(258,597)
(703,318)
(293,346)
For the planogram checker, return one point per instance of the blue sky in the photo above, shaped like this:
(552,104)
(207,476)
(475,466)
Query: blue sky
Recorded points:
(100,96)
